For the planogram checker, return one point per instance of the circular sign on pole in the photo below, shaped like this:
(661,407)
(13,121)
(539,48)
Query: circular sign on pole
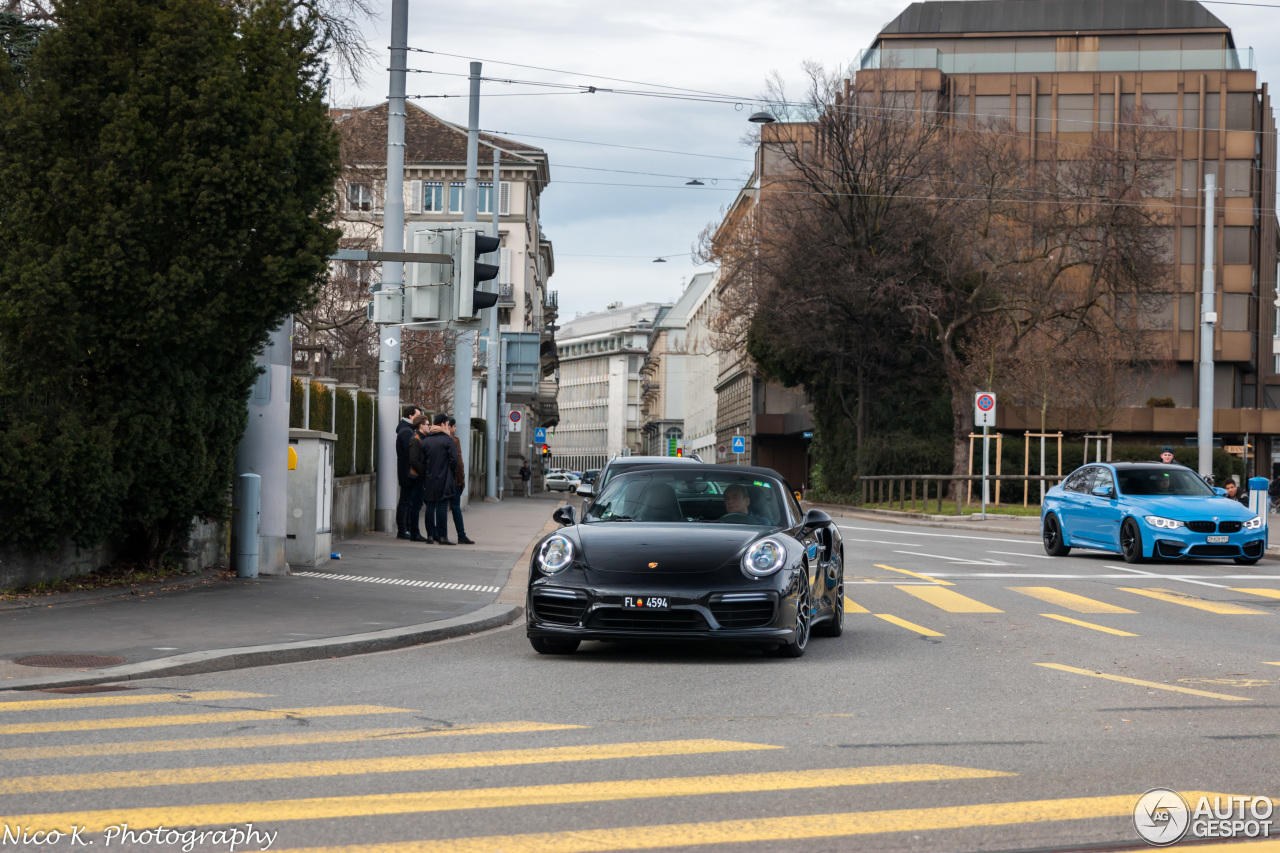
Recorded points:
(721,450)
(986,402)
(515,416)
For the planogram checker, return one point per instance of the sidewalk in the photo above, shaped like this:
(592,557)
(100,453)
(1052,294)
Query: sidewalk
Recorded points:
(384,593)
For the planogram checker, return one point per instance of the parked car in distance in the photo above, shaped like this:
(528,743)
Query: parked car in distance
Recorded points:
(589,476)
(621,464)
(562,482)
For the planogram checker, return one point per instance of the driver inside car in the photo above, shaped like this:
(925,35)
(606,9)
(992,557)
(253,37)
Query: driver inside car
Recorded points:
(737,502)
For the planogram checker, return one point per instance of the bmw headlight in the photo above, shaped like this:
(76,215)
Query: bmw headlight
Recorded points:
(555,554)
(764,558)
(1163,523)
(1253,523)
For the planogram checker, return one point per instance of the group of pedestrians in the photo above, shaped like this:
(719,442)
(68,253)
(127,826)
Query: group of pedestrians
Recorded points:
(432,476)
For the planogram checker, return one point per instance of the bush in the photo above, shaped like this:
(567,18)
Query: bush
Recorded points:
(297,403)
(321,407)
(1160,403)
(365,417)
(343,450)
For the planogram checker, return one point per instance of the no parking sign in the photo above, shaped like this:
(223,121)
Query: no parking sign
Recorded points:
(984,409)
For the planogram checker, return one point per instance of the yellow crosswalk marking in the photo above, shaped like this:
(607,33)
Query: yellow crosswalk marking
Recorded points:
(851,607)
(126,699)
(198,719)
(1154,685)
(910,626)
(776,829)
(1070,601)
(1268,593)
(948,600)
(361,766)
(29,753)
(318,808)
(1219,607)
(1272,662)
(1084,624)
(914,575)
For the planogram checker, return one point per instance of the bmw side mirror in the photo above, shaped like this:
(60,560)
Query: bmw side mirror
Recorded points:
(1222,493)
(563,516)
(1104,492)
(815,518)
(584,490)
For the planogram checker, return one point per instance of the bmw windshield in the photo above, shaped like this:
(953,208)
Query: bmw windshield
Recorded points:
(1162,481)
(679,496)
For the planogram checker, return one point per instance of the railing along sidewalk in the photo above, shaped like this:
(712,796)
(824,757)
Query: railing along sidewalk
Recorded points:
(881,487)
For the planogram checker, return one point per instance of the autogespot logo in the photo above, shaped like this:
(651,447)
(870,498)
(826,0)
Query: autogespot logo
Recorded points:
(1161,816)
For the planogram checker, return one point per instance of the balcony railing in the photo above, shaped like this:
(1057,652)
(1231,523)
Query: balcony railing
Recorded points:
(1043,62)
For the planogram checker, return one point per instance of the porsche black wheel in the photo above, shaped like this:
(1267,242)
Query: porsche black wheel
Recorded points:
(551,646)
(1052,535)
(1130,542)
(804,621)
(834,626)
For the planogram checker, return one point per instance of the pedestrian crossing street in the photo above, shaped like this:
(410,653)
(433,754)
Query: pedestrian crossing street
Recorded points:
(462,587)
(200,783)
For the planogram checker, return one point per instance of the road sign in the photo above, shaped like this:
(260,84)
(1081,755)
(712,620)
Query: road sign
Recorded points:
(514,415)
(984,409)
(540,435)
(739,444)
(722,451)
(807,434)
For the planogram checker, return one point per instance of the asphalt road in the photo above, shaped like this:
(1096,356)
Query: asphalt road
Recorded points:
(983,697)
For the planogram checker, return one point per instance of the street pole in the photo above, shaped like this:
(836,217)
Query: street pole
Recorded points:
(465,351)
(502,412)
(985,439)
(392,273)
(1208,317)
(492,422)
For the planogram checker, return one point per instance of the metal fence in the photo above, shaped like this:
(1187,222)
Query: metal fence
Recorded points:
(933,488)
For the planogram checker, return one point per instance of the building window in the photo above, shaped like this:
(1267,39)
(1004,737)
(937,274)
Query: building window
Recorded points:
(1075,113)
(455,197)
(359,197)
(1237,245)
(486,198)
(1023,120)
(433,197)
(1106,113)
(1241,107)
(1161,110)
(1044,108)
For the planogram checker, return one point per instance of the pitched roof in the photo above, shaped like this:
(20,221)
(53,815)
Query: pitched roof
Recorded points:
(936,17)
(427,139)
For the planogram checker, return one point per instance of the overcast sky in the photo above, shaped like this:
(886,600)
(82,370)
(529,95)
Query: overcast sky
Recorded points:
(606,227)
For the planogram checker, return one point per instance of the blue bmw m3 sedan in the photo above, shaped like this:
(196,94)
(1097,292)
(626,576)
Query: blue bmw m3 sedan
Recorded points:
(1144,511)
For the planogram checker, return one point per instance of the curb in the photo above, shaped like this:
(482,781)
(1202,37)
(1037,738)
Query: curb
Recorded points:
(217,660)
(89,596)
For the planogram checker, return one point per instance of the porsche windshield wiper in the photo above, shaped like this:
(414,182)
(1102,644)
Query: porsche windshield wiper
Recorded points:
(618,518)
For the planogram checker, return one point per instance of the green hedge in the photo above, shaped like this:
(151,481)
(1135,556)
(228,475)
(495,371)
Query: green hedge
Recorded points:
(321,407)
(344,450)
(364,433)
(297,402)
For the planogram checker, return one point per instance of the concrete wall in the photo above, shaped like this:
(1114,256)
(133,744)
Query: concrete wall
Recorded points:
(352,506)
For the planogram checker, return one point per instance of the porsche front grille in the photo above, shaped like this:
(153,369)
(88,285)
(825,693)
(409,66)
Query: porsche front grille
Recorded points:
(559,606)
(747,611)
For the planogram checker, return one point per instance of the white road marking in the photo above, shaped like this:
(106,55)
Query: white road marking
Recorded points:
(878,542)
(1165,577)
(1016,554)
(1098,577)
(400,581)
(938,535)
(957,559)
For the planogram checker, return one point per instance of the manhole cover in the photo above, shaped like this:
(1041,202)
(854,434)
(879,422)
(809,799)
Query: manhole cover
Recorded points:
(68,661)
(87,688)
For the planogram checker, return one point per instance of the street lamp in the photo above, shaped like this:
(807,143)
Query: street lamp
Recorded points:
(761,117)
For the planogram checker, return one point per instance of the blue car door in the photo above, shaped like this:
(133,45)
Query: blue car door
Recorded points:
(1074,492)
(1101,516)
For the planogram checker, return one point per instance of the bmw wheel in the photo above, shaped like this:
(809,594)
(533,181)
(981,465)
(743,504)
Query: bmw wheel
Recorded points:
(834,626)
(804,619)
(1052,535)
(1131,541)
(553,646)
(1247,561)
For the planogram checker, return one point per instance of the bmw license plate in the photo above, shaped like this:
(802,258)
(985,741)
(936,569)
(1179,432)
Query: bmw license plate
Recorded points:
(645,602)
(1218,540)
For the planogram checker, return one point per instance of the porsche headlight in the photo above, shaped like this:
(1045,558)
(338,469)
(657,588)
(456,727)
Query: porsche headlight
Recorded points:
(1163,523)
(764,558)
(1253,523)
(555,554)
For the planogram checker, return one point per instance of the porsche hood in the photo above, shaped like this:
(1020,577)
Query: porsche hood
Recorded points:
(663,548)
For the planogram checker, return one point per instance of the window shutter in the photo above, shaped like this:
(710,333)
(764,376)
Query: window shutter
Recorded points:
(504,266)
(415,196)
(378,192)
(504,203)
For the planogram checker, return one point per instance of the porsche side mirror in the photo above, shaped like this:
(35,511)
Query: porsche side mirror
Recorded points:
(563,516)
(584,490)
(1104,492)
(816,517)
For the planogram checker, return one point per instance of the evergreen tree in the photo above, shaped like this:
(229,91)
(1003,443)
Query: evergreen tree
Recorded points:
(166,193)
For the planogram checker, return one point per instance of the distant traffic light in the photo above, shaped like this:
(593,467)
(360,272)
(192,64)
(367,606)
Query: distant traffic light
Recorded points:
(468,246)
(679,451)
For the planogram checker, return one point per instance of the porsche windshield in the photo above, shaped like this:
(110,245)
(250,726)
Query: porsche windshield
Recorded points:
(1162,481)
(692,497)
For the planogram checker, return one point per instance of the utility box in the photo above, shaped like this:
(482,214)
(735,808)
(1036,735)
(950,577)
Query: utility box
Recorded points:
(308,533)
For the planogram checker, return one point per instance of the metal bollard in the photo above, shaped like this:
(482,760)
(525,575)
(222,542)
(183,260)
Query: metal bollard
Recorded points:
(1259,499)
(249,513)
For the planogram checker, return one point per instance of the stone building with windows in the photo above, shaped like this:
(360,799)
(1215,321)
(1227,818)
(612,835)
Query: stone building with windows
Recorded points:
(601,356)
(1059,72)
(674,375)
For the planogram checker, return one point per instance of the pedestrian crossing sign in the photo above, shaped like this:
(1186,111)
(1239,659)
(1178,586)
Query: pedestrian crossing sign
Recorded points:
(739,444)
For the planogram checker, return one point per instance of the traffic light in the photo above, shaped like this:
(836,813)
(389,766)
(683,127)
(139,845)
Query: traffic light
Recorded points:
(679,451)
(469,244)
(546,451)
(426,290)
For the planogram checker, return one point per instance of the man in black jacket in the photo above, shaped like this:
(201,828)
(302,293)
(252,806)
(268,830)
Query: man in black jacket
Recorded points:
(404,432)
(417,464)
(439,461)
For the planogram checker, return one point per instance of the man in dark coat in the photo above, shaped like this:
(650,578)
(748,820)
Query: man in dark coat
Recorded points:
(439,461)
(404,432)
(417,465)
(460,485)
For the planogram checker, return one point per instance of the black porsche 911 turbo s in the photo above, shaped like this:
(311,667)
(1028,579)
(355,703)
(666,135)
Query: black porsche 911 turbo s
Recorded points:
(690,552)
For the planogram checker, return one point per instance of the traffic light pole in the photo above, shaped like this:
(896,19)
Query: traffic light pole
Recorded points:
(494,419)
(465,352)
(392,273)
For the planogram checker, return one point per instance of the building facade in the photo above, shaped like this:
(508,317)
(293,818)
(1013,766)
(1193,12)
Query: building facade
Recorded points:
(1057,73)
(673,376)
(600,357)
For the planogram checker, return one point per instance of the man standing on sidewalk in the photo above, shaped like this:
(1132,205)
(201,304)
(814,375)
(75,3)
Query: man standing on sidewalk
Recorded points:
(417,464)
(404,432)
(440,463)
(526,477)
(460,480)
